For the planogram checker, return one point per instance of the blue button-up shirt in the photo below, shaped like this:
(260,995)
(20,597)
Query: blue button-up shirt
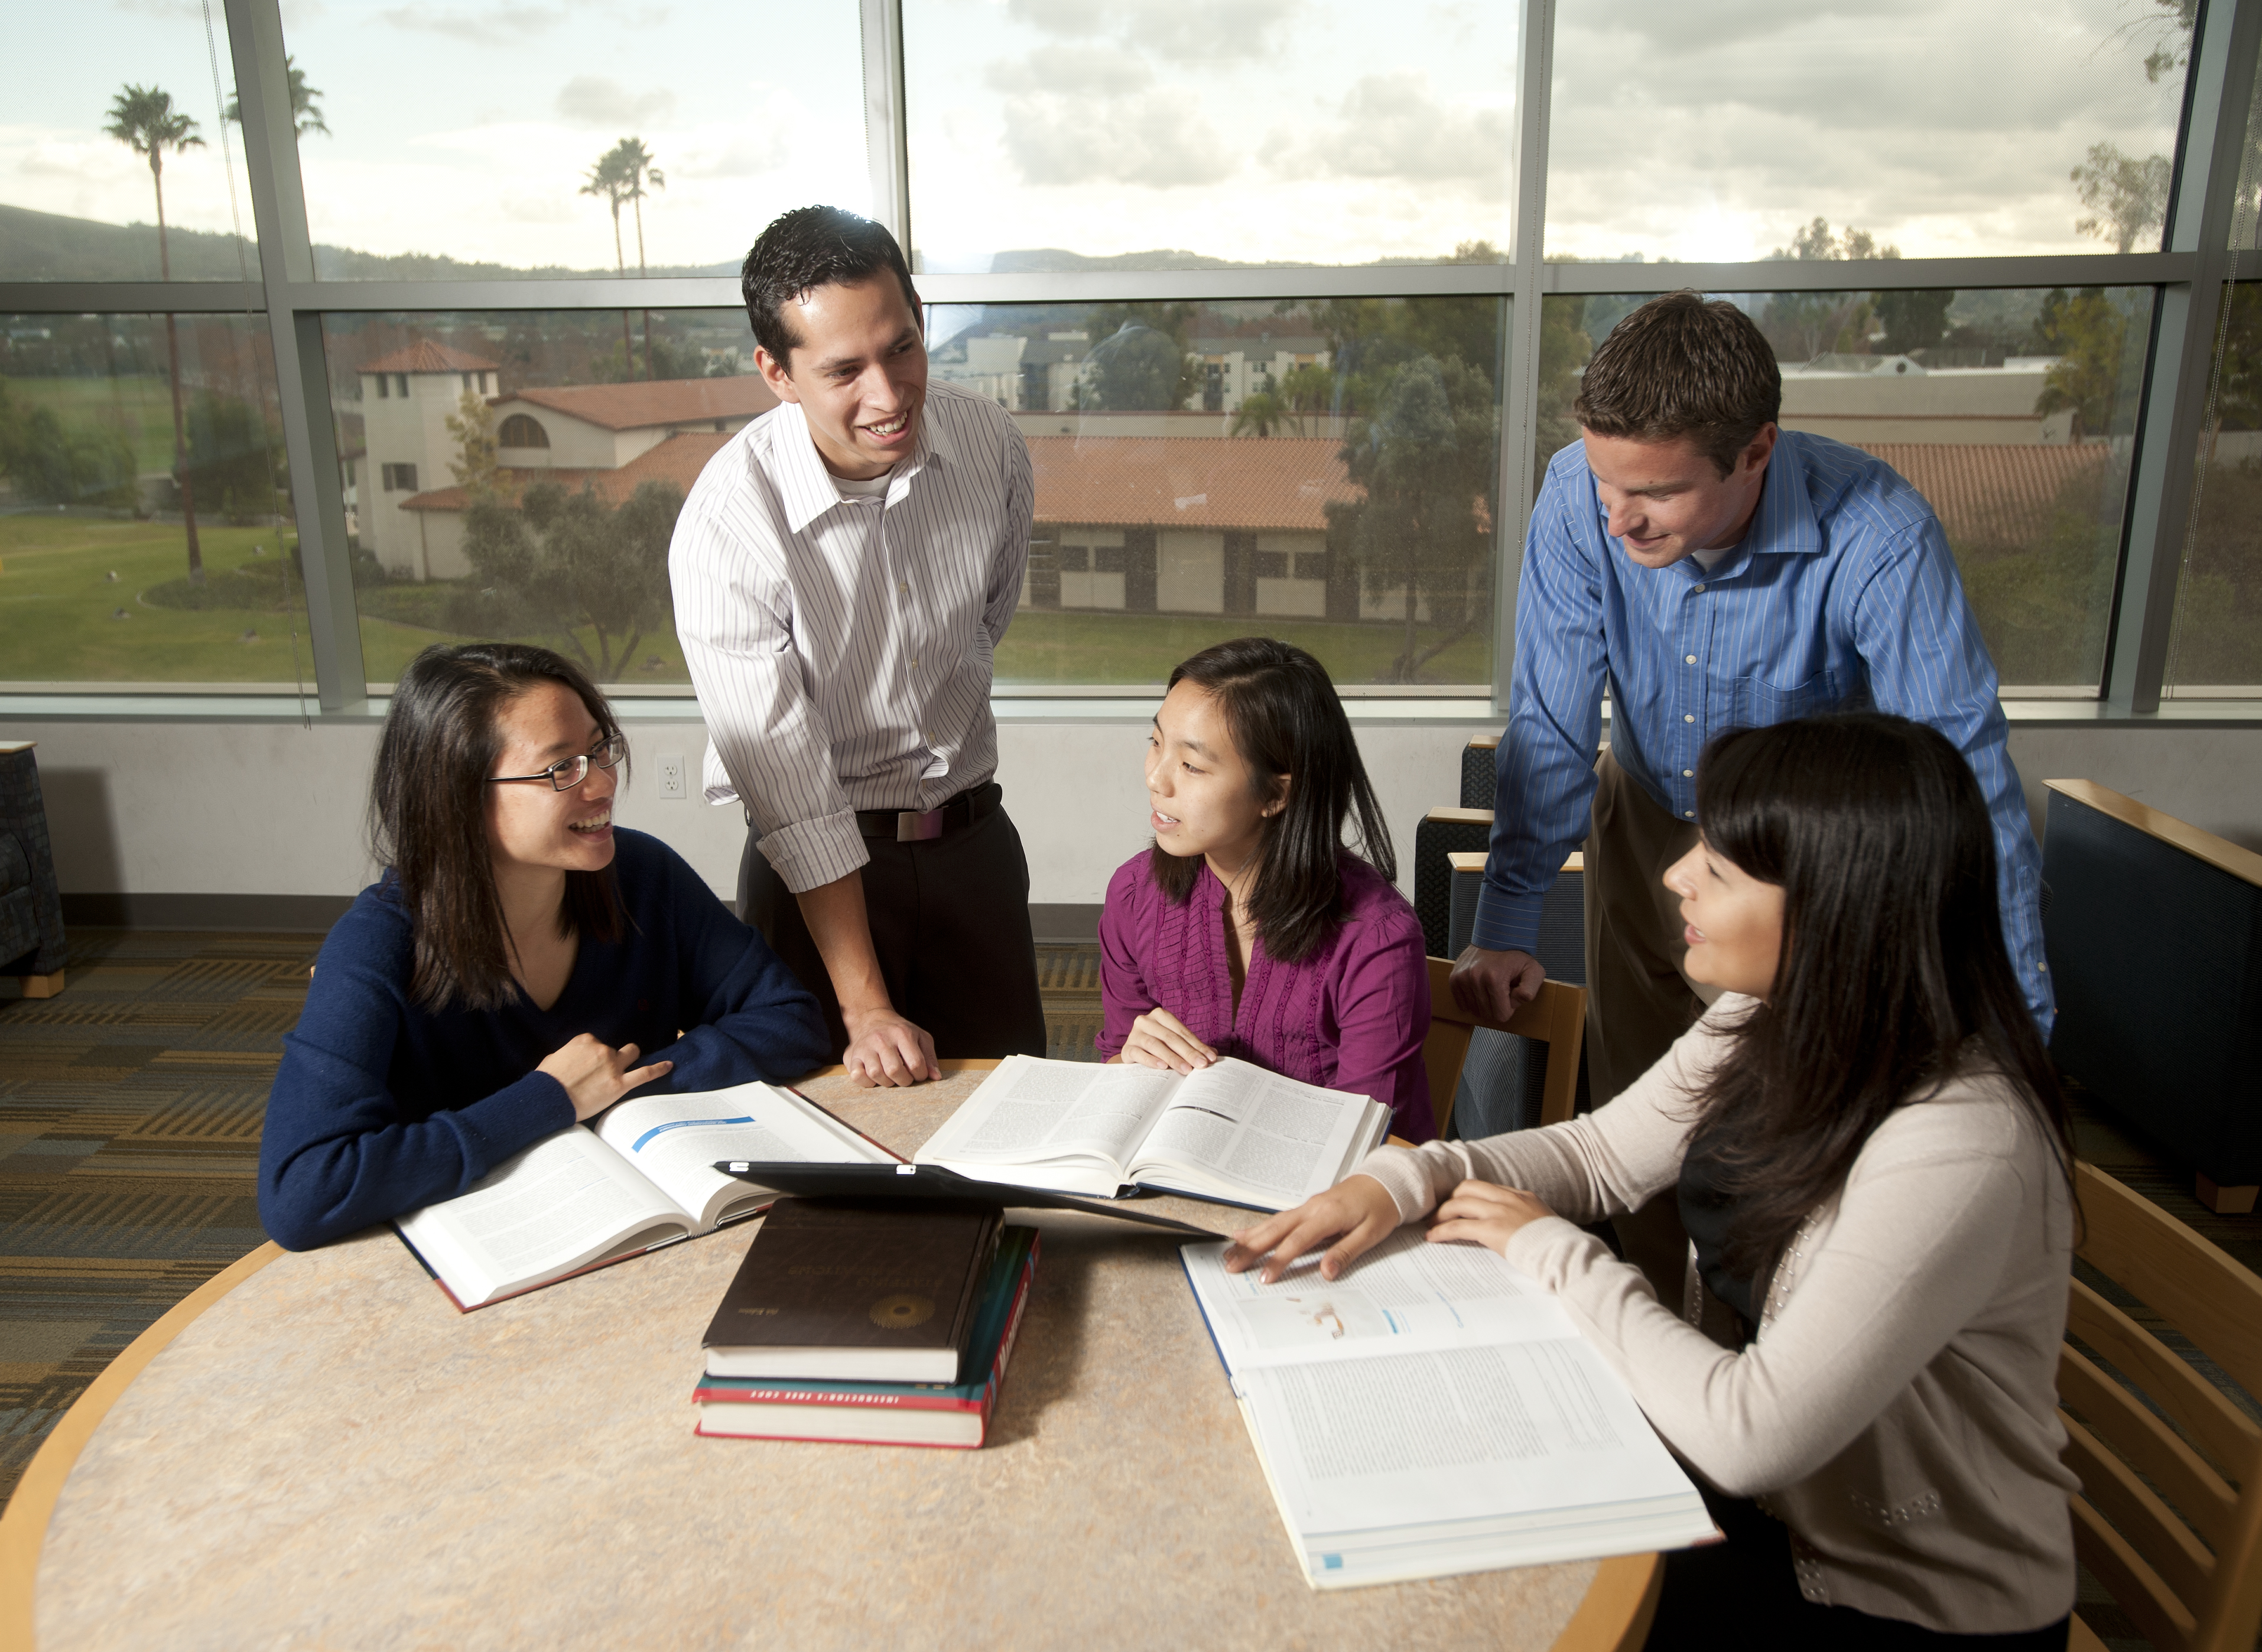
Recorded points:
(1842,594)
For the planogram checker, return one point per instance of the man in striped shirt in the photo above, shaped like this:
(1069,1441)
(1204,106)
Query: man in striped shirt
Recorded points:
(1711,572)
(843,571)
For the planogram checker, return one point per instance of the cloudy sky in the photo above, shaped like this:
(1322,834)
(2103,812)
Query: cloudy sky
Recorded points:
(1319,131)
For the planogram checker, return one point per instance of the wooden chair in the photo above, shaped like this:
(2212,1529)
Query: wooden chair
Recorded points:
(2168,1517)
(1557,1019)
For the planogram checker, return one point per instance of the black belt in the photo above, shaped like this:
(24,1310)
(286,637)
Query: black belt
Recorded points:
(913,826)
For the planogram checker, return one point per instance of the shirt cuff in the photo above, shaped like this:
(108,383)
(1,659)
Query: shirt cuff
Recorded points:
(1507,923)
(1553,1248)
(811,853)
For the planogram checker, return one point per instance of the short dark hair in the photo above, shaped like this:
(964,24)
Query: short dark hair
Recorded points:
(1677,367)
(1287,722)
(1893,974)
(814,247)
(428,826)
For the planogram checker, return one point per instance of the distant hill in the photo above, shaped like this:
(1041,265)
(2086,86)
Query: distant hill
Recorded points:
(47,247)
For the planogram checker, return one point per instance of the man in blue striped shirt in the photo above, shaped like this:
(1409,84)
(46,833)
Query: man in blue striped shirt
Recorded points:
(1709,572)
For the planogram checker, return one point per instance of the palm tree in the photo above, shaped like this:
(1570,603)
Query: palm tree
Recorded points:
(306,109)
(630,162)
(608,180)
(144,119)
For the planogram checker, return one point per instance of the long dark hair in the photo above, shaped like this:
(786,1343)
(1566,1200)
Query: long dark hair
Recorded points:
(428,816)
(1287,722)
(1893,974)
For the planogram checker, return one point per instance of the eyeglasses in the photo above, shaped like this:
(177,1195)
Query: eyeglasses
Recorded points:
(568,772)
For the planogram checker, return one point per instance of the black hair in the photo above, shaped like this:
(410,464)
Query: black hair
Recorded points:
(1893,975)
(1287,722)
(809,247)
(428,820)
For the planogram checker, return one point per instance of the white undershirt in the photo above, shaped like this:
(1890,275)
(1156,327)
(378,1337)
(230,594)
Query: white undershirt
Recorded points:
(1709,560)
(870,487)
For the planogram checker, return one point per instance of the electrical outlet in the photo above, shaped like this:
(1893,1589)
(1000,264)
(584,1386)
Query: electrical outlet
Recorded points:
(671,774)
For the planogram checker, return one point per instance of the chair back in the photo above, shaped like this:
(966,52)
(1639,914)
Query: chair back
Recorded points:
(1557,1019)
(2169,1517)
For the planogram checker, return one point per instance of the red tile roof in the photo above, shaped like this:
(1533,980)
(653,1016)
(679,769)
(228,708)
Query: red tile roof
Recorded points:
(424,356)
(668,401)
(678,460)
(1277,483)
(1990,493)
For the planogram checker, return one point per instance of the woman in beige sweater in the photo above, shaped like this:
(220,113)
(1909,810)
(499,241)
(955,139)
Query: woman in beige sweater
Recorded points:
(1870,1153)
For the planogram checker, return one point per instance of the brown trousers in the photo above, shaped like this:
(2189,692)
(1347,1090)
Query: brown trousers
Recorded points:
(1638,1000)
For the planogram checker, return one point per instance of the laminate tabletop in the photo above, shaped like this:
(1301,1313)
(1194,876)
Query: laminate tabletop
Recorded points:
(330,1455)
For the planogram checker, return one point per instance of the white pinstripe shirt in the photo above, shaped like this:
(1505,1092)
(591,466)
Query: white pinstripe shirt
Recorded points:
(841,648)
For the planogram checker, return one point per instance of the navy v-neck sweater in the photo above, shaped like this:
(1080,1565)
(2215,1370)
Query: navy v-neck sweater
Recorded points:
(381,1106)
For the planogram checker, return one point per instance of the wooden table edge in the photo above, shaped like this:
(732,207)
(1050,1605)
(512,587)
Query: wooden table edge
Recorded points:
(1618,1607)
(23,1526)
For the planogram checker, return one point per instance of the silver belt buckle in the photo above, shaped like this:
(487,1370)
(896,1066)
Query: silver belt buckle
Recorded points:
(917,829)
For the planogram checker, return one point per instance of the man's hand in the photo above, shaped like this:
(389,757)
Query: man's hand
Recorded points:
(1159,1039)
(1357,1212)
(595,1074)
(1484,1213)
(1496,985)
(885,1049)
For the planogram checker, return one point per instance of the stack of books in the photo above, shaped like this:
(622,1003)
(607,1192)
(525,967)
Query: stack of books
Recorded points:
(857,1321)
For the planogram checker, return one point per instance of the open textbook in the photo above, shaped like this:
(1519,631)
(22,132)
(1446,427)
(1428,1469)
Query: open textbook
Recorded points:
(639,1174)
(1435,1412)
(1233,1131)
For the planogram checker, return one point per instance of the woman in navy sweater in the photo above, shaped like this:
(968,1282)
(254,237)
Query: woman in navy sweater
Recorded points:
(519,955)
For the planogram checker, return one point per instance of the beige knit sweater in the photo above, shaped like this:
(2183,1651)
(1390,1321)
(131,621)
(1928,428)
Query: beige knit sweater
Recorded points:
(1898,1408)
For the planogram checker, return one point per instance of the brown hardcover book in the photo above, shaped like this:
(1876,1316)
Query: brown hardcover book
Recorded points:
(852,1290)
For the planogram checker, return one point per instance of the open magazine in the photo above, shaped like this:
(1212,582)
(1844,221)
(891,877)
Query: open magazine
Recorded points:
(1435,1412)
(1233,1132)
(639,1174)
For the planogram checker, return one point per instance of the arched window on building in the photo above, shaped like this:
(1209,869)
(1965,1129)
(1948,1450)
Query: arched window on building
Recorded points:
(519,431)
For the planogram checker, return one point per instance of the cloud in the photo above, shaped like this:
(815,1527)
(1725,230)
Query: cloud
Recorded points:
(508,26)
(749,155)
(1391,127)
(180,10)
(1076,70)
(1174,29)
(1158,137)
(592,100)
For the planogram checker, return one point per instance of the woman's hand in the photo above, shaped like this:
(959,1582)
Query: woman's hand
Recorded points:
(1482,1213)
(1159,1039)
(595,1074)
(1357,1212)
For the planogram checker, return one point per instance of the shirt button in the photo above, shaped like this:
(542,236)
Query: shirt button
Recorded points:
(1688,660)
(1700,588)
(914,662)
(903,588)
(1687,774)
(1689,814)
(1686,717)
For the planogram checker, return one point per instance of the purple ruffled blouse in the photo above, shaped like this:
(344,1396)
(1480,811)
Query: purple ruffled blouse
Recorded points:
(1352,1017)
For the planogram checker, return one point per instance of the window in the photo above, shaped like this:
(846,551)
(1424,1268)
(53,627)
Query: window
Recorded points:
(400,479)
(136,546)
(2011,412)
(519,431)
(2216,650)
(1199,502)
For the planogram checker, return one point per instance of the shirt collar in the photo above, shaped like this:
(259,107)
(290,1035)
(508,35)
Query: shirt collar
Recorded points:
(1784,523)
(809,488)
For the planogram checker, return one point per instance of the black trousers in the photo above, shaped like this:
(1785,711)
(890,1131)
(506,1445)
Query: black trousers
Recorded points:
(1742,1596)
(950,923)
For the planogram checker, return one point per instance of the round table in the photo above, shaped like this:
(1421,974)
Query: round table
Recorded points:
(316,1449)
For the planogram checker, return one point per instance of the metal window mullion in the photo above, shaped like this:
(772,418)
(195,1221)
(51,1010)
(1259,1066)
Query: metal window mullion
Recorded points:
(886,142)
(1519,425)
(286,259)
(2169,428)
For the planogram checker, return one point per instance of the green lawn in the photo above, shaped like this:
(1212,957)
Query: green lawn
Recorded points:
(1046,646)
(139,401)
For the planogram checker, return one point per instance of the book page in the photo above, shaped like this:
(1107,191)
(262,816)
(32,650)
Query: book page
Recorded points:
(1406,1294)
(1068,1124)
(565,1202)
(674,1141)
(1463,1433)
(1237,1131)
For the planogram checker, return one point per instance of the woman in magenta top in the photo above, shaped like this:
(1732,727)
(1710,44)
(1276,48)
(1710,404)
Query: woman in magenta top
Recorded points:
(1249,930)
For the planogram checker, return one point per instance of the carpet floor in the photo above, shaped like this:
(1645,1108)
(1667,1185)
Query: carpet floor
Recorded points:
(130,1109)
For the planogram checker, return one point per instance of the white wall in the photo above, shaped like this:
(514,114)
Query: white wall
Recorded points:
(261,808)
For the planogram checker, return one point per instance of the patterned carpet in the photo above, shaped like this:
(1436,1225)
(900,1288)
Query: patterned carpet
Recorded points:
(129,1140)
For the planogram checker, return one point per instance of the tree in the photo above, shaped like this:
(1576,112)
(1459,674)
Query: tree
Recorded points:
(474,427)
(2126,198)
(1911,320)
(2090,337)
(52,464)
(630,162)
(565,561)
(610,180)
(143,119)
(306,103)
(1261,410)
(232,459)
(1425,457)
(1801,326)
